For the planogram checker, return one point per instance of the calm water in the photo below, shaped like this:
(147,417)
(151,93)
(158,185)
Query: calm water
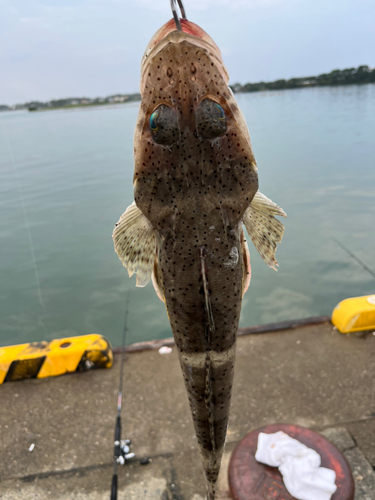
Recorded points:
(66,177)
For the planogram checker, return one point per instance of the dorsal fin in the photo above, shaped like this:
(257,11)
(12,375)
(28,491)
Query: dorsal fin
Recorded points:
(136,244)
(264,229)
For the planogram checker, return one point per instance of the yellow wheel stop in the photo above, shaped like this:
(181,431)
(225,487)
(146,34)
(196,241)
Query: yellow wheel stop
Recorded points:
(48,359)
(355,314)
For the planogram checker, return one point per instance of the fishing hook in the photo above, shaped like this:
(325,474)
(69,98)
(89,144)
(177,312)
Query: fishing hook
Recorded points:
(175,15)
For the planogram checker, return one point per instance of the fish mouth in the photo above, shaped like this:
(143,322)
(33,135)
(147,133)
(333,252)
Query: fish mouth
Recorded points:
(191,33)
(186,26)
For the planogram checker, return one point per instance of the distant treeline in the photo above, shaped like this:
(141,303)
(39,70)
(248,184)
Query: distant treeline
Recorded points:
(73,102)
(362,74)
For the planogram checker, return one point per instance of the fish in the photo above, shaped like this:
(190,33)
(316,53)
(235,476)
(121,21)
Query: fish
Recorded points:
(195,188)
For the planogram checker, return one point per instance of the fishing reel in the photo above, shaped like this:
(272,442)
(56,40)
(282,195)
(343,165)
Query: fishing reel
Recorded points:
(124,452)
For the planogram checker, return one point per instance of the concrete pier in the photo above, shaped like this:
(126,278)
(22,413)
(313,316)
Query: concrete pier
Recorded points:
(312,376)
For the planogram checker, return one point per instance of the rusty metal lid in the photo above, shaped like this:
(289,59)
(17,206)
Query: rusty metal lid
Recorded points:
(251,480)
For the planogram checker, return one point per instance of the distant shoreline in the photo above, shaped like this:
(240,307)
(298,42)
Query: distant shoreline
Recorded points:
(80,106)
(350,76)
(73,102)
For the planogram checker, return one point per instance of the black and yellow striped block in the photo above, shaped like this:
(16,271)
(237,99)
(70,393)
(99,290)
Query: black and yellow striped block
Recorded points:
(48,359)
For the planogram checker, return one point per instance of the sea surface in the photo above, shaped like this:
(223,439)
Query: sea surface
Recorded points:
(66,177)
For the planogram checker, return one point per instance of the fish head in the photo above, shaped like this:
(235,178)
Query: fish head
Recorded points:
(192,147)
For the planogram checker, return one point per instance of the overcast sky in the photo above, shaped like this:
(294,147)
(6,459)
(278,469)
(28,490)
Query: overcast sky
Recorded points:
(65,48)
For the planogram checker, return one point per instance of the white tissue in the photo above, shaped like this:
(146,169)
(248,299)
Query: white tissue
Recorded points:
(299,465)
(165,350)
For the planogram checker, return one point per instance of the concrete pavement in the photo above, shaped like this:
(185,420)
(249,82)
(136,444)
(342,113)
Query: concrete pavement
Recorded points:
(311,376)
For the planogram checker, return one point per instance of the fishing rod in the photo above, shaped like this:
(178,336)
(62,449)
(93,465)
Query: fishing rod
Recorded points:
(121,447)
(351,254)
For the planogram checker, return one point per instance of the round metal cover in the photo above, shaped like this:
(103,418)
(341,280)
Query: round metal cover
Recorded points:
(251,480)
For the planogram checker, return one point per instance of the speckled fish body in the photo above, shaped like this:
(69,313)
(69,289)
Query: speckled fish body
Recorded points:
(194,181)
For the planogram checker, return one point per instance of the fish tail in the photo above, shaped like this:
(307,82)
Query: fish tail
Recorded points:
(212,463)
(211,490)
(210,409)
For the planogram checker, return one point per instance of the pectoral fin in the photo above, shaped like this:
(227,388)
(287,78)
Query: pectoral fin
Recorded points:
(264,229)
(136,244)
(262,203)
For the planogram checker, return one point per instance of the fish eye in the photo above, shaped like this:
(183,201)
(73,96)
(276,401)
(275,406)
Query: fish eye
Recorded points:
(222,114)
(164,125)
(153,121)
(210,118)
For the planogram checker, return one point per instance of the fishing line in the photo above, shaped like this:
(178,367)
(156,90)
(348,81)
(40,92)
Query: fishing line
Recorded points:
(362,264)
(23,204)
(121,448)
